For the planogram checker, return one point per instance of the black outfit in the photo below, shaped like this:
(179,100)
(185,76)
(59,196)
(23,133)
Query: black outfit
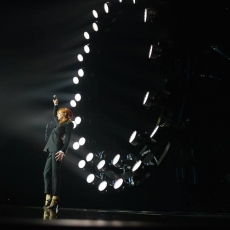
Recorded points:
(58,141)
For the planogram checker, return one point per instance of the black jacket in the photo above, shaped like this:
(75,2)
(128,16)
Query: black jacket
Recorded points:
(60,136)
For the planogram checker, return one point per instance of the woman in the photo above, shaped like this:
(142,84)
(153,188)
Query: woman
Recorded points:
(56,146)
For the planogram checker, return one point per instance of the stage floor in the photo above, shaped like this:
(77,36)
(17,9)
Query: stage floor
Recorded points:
(36,218)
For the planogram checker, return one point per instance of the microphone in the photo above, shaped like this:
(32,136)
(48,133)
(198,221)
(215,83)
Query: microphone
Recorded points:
(54,97)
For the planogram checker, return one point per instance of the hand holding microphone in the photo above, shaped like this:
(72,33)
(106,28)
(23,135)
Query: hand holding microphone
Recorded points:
(55,100)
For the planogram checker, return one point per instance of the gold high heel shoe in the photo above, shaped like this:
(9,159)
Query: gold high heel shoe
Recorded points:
(47,203)
(54,203)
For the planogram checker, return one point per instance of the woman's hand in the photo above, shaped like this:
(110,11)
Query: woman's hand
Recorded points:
(55,101)
(59,156)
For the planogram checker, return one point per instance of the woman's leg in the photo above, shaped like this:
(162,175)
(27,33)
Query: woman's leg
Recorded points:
(56,181)
(47,175)
(56,176)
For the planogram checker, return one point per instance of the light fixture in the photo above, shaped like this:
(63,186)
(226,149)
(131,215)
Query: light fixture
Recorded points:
(82,141)
(155,52)
(151,99)
(90,178)
(77,97)
(136,165)
(149,15)
(107,6)
(73,103)
(81,164)
(80,57)
(95,26)
(98,162)
(89,156)
(137,138)
(81,72)
(87,48)
(76,145)
(156,133)
(75,80)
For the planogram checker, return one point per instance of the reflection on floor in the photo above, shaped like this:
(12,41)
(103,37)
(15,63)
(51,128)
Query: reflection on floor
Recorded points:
(36,217)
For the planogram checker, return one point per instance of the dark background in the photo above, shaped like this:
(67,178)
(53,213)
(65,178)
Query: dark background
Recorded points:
(39,42)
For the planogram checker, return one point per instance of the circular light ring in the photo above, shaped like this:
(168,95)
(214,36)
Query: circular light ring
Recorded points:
(118,183)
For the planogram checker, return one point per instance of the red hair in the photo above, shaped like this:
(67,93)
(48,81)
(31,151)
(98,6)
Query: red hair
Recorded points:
(68,114)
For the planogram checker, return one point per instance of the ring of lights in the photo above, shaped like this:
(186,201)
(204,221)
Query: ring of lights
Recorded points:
(117,181)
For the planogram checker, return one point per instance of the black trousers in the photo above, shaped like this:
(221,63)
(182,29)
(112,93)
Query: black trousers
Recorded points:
(52,175)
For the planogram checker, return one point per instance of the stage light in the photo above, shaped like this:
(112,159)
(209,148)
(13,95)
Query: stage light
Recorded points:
(76,145)
(86,35)
(75,80)
(115,161)
(160,130)
(90,178)
(89,157)
(149,15)
(80,57)
(155,52)
(102,186)
(82,141)
(95,26)
(95,14)
(81,164)
(107,6)
(98,162)
(86,48)
(151,99)
(74,124)
(136,166)
(118,183)
(81,72)
(77,97)
(78,120)
(138,138)
(73,103)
